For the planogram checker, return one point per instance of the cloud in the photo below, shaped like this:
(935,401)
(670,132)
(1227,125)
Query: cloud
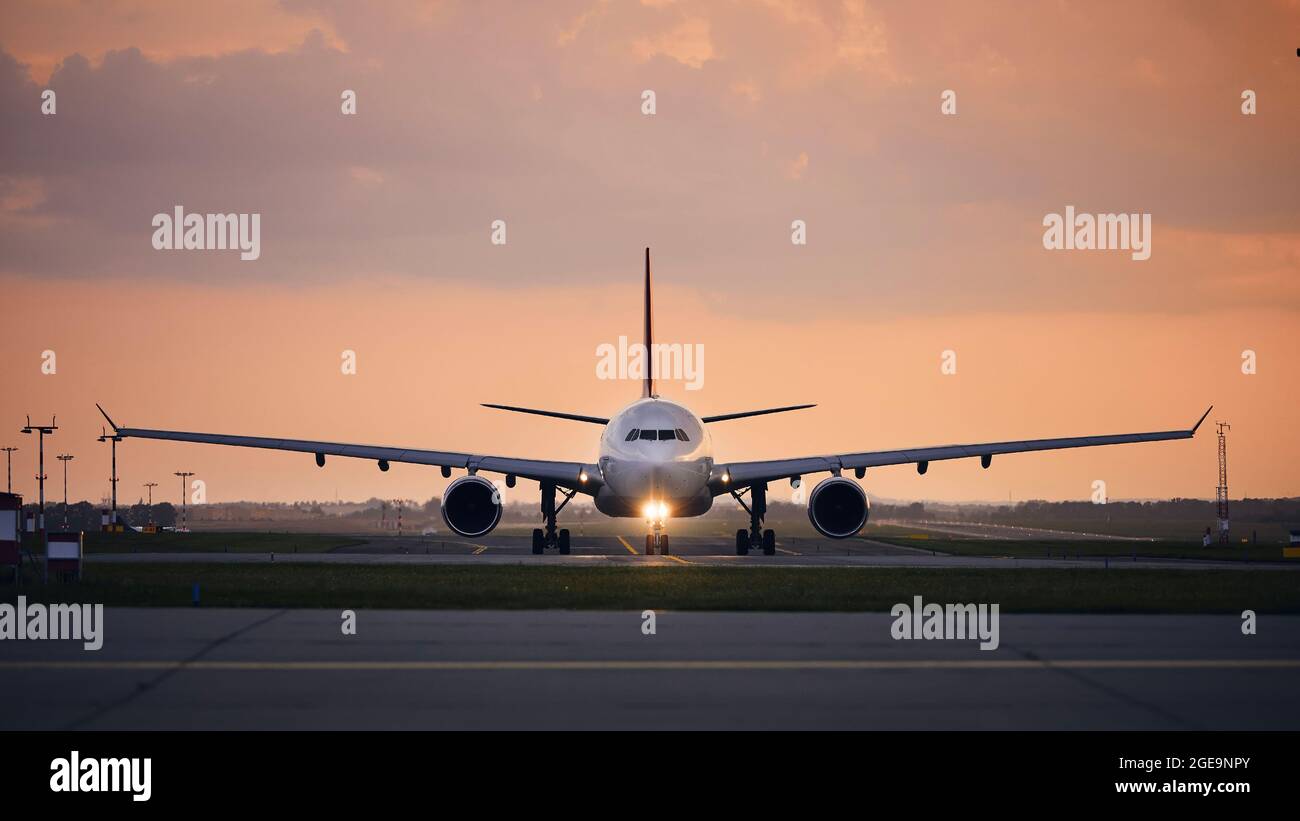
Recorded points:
(465,117)
(42,34)
(688,43)
(795,169)
(575,27)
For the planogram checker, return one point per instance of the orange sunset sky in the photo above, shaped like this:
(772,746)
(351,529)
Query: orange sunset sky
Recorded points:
(924,233)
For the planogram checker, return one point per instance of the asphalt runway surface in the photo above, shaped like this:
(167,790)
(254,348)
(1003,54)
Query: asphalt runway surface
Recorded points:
(294,669)
(686,550)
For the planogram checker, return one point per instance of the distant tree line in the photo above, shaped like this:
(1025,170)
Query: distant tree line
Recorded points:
(1283,511)
(85,516)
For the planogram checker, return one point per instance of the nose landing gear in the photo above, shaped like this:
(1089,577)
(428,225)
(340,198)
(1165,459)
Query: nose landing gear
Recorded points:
(657,541)
(656,515)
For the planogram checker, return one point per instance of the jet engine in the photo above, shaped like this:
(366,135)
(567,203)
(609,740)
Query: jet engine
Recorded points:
(471,506)
(838,507)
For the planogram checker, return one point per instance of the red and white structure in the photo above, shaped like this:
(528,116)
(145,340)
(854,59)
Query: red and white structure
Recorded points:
(11,515)
(63,554)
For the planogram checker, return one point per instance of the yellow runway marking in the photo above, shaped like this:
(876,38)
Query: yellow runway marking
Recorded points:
(481,548)
(632,550)
(690,664)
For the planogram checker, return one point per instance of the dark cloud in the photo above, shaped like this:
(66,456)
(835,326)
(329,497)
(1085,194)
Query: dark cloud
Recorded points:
(467,115)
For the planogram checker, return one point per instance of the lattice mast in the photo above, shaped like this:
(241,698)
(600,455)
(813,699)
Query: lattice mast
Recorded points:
(1221,495)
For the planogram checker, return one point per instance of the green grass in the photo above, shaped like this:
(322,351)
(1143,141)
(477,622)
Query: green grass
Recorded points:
(673,588)
(1176,530)
(1056,548)
(216,542)
(1274,533)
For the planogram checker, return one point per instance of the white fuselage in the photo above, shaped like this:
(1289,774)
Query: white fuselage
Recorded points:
(655,451)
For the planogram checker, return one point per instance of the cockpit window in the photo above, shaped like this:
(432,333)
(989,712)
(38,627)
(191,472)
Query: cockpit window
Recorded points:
(662,435)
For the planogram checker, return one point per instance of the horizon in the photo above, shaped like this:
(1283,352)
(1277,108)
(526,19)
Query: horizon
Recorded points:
(582,502)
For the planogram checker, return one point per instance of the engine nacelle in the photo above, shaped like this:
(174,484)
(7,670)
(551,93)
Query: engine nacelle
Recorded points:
(471,506)
(838,507)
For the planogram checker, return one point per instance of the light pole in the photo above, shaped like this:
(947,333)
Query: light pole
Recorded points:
(151,486)
(9,467)
(113,440)
(41,431)
(65,458)
(184,475)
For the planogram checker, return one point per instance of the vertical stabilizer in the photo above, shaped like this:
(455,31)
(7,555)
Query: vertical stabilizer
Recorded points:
(648,388)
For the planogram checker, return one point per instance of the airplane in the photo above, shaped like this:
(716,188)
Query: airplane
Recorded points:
(656,461)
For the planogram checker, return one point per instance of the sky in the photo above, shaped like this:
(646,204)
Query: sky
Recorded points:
(924,233)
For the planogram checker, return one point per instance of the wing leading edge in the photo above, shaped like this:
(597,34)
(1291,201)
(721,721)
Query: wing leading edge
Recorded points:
(574,475)
(738,474)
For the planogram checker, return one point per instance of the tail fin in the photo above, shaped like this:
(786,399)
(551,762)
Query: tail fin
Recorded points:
(648,390)
(114,424)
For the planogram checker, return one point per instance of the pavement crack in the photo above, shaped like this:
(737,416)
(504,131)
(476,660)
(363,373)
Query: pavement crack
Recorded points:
(152,684)
(1093,684)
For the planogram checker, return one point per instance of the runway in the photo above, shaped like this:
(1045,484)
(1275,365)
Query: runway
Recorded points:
(506,549)
(294,669)
(982,530)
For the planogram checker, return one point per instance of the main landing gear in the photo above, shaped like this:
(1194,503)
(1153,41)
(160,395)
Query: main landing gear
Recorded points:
(551,537)
(754,538)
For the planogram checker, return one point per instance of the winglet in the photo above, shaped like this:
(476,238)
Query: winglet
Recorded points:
(109,418)
(1202,419)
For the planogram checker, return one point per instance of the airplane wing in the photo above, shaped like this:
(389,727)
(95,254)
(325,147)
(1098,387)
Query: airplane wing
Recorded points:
(573,475)
(739,474)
